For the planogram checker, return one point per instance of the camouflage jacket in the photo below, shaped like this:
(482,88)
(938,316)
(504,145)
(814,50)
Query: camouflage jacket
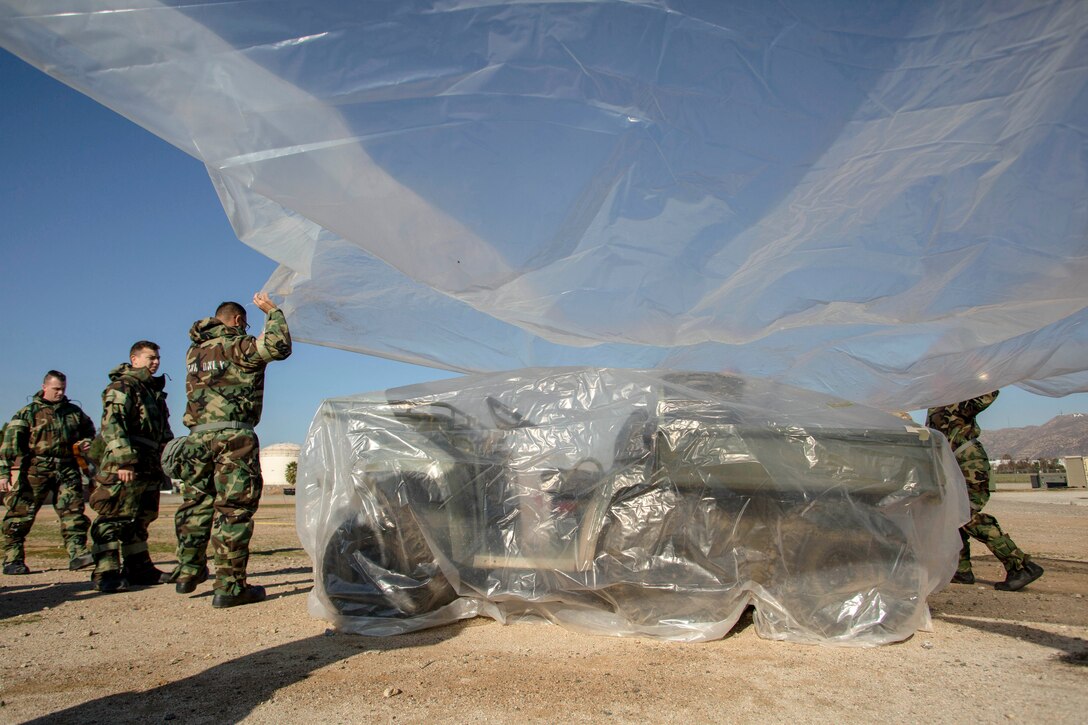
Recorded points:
(135,419)
(957,421)
(225,369)
(44,430)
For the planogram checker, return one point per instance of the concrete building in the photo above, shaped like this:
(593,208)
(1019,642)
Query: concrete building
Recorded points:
(274,460)
(1076,471)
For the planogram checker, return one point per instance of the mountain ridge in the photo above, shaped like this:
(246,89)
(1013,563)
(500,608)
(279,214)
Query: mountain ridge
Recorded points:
(1063,435)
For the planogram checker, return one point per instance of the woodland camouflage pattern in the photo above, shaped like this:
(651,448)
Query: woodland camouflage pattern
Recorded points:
(957,422)
(225,369)
(37,446)
(221,475)
(135,427)
(221,469)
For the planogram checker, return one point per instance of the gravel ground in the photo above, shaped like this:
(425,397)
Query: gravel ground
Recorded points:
(151,655)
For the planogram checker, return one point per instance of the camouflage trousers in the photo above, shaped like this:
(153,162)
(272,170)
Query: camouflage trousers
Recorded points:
(125,511)
(45,476)
(221,488)
(976,472)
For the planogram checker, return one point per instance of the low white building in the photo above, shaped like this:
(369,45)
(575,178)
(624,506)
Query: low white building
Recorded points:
(274,460)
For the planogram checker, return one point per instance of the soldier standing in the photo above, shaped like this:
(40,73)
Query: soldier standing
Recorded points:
(37,459)
(135,428)
(221,471)
(957,423)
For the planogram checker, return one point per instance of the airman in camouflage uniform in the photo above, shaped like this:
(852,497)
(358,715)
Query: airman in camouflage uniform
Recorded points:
(220,466)
(957,423)
(37,458)
(135,427)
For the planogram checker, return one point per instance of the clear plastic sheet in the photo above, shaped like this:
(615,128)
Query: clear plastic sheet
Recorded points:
(884,201)
(631,503)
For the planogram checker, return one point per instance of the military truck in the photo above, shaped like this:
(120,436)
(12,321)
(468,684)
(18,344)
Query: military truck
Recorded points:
(627,502)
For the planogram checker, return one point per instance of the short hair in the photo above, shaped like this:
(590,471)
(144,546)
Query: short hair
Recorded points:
(56,375)
(142,345)
(225,309)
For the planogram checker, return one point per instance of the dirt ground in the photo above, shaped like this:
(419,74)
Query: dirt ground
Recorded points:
(151,655)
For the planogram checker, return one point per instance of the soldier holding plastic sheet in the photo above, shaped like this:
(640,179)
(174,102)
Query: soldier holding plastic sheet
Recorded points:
(37,459)
(135,427)
(957,422)
(219,462)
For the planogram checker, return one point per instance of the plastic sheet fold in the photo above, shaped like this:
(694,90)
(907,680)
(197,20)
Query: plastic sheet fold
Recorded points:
(631,503)
(885,202)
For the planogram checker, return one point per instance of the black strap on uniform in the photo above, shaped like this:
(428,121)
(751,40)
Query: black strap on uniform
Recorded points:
(225,425)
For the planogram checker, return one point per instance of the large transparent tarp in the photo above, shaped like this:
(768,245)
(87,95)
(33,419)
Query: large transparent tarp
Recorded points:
(885,201)
(622,502)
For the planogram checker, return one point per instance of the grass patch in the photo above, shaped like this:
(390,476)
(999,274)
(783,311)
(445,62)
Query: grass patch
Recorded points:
(24,619)
(274,532)
(1012,477)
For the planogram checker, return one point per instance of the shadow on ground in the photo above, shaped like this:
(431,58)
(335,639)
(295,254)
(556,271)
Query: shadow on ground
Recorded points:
(1049,601)
(285,550)
(29,596)
(254,679)
(1075,649)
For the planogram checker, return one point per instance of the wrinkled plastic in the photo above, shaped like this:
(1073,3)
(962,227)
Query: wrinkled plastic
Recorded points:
(885,201)
(631,503)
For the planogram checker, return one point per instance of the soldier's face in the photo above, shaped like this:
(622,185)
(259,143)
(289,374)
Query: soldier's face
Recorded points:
(53,390)
(146,358)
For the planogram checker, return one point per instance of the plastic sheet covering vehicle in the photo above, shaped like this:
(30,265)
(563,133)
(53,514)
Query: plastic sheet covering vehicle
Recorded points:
(884,201)
(623,502)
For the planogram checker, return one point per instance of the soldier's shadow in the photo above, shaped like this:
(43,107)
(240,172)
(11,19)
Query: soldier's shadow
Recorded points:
(284,571)
(31,597)
(1074,650)
(252,678)
(284,550)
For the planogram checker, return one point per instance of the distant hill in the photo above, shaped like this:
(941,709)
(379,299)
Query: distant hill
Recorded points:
(1066,435)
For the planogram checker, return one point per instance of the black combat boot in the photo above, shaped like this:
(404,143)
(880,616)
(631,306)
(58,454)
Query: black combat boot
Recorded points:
(250,595)
(175,575)
(188,584)
(109,582)
(16,567)
(963,577)
(81,562)
(1020,578)
(139,571)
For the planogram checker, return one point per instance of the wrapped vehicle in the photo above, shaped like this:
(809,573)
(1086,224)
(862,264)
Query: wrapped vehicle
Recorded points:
(625,502)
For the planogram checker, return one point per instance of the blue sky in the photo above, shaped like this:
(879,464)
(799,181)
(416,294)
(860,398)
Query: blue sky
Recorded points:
(112,235)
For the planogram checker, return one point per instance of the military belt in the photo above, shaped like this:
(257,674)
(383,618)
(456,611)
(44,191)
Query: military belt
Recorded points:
(225,425)
(133,548)
(965,446)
